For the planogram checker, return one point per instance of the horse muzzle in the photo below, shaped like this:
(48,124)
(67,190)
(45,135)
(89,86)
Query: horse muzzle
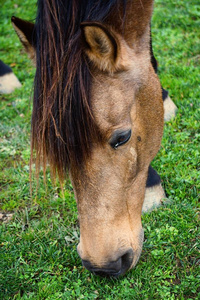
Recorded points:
(112,268)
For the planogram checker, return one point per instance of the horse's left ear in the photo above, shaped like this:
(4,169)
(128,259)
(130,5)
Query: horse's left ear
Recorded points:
(103,46)
(26,33)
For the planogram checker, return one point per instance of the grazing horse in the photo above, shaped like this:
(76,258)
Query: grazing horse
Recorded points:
(98,116)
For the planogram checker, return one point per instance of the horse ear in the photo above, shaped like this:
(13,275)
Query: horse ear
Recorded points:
(26,33)
(102,46)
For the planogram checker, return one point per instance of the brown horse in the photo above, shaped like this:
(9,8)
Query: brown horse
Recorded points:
(98,115)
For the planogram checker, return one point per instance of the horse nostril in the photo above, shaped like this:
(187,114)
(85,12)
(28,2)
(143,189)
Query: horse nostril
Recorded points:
(127,260)
(113,268)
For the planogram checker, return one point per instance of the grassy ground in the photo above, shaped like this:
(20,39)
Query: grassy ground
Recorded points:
(38,258)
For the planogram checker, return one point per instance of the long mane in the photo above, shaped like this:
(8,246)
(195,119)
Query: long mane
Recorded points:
(63,126)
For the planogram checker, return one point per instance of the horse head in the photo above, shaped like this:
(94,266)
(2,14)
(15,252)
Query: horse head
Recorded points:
(125,108)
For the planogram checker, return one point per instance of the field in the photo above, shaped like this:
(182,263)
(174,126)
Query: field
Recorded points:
(38,257)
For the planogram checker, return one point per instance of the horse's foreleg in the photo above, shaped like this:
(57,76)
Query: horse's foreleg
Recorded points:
(154,191)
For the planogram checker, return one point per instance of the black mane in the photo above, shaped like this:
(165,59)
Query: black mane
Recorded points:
(63,127)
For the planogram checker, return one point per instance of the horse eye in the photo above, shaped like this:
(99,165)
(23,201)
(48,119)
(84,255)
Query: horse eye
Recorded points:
(119,138)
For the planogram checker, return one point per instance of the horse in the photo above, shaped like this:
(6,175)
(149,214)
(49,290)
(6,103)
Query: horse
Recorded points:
(98,117)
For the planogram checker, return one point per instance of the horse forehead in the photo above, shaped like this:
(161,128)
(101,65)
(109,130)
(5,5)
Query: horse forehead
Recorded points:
(112,98)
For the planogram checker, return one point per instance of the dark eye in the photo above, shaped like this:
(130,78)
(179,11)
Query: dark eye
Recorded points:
(119,138)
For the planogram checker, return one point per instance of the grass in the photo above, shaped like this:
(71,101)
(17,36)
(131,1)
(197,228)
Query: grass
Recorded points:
(38,247)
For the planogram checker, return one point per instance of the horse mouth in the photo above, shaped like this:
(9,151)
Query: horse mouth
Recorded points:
(112,268)
(125,261)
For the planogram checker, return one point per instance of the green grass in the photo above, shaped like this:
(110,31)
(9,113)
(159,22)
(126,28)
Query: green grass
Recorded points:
(38,258)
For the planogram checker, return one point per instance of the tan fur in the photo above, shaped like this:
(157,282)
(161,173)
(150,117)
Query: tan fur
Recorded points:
(153,197)
(126,94)
(101,49)
(170,109)
(8,83)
